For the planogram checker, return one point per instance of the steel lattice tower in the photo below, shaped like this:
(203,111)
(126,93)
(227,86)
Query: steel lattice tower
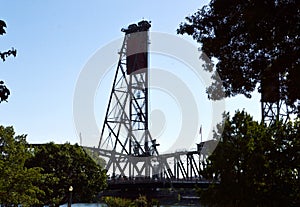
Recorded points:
(273,104)
(125,140)
(125,132)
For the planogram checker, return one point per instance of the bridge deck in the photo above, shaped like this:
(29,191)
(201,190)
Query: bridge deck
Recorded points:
(156,183)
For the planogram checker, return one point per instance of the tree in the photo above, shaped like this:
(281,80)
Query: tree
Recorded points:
(4,92)
(64,166)
(255,165)
(18,184)
(249,38)
(13,52)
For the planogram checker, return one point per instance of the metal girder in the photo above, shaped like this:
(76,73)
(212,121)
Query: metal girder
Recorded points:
(274,105)
(179,165)
(125,129)
(125,141)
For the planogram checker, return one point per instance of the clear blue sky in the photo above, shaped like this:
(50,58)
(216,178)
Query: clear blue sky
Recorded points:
(54,40)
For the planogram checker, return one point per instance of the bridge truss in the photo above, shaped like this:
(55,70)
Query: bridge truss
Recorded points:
(274,106)
(125,140)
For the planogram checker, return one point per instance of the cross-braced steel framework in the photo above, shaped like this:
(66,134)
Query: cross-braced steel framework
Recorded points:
(125,139)
(273,103)
(125,132)
(272,111)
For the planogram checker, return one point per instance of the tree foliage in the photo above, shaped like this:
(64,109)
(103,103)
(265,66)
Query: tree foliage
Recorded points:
(256,165)
(64,166)
(18,184)
(117,202)
(248,37)
(4,91)
(141,201)
(4,55)
(43,174)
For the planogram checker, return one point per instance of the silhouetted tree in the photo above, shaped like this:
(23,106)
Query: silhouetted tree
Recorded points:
(255,164)
(246,37)
(4,91)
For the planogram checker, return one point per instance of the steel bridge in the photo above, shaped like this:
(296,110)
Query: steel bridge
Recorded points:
(133,159)
(131,154)
(178,166)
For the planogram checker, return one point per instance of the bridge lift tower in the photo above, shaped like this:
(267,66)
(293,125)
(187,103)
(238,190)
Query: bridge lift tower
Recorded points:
(274,105)
(125,140)
(125,132)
